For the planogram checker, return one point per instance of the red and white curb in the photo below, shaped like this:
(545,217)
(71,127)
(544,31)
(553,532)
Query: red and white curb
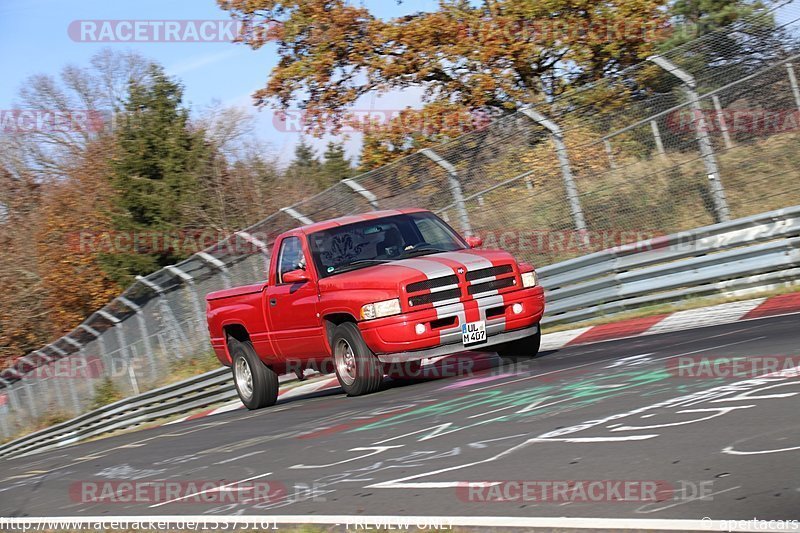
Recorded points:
(681,320)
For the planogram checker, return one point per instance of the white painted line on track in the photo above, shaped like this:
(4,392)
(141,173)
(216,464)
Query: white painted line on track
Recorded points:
(215,489)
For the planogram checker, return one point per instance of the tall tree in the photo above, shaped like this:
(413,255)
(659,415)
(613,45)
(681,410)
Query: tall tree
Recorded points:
(500,54)
(155,174)
(306,166)
(336,166)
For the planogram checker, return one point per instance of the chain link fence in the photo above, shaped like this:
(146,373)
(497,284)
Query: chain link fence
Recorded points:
(706,133)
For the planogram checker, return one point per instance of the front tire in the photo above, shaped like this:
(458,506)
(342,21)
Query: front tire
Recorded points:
(521,349)
(358,370)
(256,383)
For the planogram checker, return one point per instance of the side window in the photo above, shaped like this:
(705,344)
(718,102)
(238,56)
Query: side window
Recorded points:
(290,257)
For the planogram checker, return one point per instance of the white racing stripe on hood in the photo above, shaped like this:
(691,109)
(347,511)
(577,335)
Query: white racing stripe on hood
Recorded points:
(472,262)
(431,269)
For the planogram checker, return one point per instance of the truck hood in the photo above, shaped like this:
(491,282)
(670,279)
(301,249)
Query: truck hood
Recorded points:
(396,274)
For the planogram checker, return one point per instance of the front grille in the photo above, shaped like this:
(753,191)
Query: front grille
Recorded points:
(493,285)
(488,272)
(434,297)
(432,283)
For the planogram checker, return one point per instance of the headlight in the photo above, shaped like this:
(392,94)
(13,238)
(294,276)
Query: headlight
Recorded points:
(381,309)
(529,279)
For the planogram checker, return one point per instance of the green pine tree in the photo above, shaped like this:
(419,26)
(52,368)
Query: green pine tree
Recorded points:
(336,166)
(155,175)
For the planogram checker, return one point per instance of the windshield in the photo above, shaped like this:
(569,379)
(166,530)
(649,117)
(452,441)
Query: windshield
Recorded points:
(372,242)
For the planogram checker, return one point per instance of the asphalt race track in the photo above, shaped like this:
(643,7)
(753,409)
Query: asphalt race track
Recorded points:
(724,448)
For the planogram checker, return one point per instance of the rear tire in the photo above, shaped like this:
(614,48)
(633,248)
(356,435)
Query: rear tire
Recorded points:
(358,370)
(520,349)
(256,383)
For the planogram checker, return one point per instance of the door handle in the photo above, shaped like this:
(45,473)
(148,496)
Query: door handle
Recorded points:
(273,302)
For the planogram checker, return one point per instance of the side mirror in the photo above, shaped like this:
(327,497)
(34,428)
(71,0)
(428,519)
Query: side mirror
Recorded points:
(474,242)
(296,276)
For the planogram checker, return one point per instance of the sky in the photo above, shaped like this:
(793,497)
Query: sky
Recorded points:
(34,39)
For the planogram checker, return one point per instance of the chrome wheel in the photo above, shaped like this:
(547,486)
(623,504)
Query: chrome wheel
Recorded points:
(345,362)
(244,378)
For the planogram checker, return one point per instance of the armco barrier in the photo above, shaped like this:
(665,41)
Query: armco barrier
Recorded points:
(757,252)
(179,398)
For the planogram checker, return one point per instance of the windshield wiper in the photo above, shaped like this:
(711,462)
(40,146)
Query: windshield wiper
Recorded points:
(425,249)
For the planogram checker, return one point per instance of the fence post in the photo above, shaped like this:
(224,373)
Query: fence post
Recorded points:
(219,265)
(59,379)
(262,247)
(5,409)
(171,322)
(188,280)
(793,83)
(455,188)
(103,352)
(610,154)
(73,393)
(566,170)
(292,212)
(148,348)
(363,191)
(721,211)
(123,348)
(657,137)
(723,125)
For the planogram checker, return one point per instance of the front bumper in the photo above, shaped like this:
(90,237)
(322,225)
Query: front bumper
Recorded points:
(395,339)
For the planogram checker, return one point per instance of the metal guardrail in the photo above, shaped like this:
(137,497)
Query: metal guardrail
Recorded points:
(753,252)
(179,398)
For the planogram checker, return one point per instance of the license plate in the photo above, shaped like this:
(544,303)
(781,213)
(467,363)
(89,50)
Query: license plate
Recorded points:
(473,333)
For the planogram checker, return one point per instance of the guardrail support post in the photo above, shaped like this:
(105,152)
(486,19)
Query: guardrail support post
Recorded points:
(363,191)
(455,188)
(566,170)
(721,210)
(793,83)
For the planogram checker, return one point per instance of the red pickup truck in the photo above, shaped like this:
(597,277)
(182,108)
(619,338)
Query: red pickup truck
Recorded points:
(368,292)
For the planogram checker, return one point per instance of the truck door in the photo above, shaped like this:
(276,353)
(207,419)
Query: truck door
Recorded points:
(292,307)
